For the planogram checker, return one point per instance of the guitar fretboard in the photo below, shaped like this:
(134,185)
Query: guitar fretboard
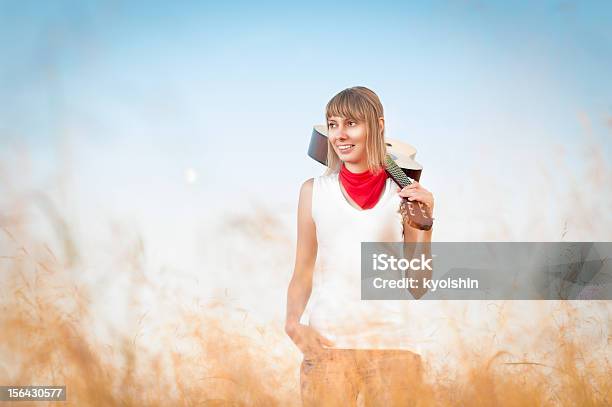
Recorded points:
(396,173)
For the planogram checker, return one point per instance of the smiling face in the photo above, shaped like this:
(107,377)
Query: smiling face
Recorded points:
(348,138)
(355,130)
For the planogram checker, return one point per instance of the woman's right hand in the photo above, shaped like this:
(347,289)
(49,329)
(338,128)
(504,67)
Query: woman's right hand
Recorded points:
(308,340)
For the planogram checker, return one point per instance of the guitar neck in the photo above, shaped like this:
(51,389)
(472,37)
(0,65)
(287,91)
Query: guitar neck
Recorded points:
(396,173)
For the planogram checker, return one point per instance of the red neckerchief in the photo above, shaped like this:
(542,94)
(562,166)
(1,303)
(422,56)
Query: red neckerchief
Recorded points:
(365,187)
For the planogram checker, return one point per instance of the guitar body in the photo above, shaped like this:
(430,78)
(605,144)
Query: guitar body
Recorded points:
(403,154)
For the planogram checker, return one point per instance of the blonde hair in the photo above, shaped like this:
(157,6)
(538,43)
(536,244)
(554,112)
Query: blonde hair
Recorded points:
(361,104)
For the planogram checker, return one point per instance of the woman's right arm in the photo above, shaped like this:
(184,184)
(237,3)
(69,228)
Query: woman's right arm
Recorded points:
(300,286)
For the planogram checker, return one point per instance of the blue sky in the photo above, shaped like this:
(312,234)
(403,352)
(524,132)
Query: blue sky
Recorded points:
(126,98)
(456,59)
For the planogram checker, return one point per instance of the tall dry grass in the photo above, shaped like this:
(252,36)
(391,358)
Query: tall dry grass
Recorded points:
(47,337)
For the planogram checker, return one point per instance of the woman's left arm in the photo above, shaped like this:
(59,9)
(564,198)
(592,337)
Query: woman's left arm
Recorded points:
(422,238)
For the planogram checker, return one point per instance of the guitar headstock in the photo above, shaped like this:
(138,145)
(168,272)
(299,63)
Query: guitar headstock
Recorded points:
(416,214)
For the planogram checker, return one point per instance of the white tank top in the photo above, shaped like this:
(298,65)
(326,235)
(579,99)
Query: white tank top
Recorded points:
(337,311)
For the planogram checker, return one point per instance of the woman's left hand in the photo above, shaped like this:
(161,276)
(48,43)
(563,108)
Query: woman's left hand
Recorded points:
(416,192)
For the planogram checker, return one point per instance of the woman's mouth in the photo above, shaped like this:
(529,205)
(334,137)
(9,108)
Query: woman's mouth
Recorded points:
(346,148)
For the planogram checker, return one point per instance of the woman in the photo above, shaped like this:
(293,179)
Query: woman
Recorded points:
(350,346)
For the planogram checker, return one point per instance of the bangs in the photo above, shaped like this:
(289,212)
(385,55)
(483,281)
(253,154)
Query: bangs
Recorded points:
(348,104)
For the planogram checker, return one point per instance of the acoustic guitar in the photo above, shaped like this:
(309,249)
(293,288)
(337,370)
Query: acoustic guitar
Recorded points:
(400,166)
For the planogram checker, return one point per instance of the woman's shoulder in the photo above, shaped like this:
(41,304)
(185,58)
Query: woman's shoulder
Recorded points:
(306,188)
(322,182)
(310,183)
(326,177)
